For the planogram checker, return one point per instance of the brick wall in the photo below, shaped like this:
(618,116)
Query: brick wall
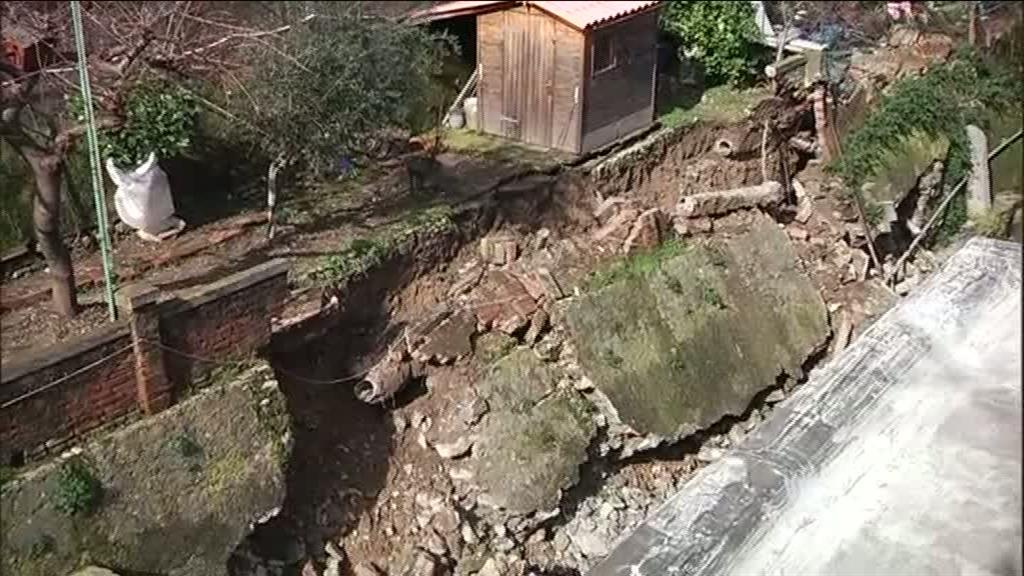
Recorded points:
(133,365)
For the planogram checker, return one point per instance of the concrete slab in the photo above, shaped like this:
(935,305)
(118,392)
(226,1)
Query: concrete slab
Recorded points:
(902,456)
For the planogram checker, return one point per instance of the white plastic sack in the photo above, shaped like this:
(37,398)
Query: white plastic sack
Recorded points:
(143,199)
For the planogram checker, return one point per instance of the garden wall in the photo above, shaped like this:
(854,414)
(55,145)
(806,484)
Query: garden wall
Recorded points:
(139,364)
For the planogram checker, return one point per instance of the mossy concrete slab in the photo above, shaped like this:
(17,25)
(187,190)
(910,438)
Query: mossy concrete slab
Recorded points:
(532,441)
(178,490)
(699,335)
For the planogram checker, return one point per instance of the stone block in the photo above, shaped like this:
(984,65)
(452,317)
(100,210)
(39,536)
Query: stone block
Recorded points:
(721,202)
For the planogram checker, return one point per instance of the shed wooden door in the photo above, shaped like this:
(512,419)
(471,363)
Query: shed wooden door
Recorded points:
(528,76)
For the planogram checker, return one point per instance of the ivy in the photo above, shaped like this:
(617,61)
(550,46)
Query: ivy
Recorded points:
(722,36)
(160,117)
(938,104)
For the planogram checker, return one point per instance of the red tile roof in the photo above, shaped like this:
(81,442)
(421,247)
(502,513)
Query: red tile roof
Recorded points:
(578,13)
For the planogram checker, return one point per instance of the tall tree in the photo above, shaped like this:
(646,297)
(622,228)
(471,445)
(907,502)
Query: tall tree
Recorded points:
(342,76)
(127,43)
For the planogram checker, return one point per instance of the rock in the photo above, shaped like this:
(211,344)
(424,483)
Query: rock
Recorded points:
(690,226)
(501,300)
(94,571)
(588,541)
(467,279)
(804,211)
(540,239)
(549,347)
(435,544)
(614,233)
(721,202)
(451,340)
(492,567)
(455,449)
(399,422)
(538,322)
(333,550)
(842,334)
(776,395)
(646,232)
(752,421)
(332,567)
(367,570)
(309,569)
(552,435)
(797,233)
(736,435)
(610,207)
(550,285)
(468,534)
(583,384)
(709,454)
(499,250)
(419,563)
(676,351)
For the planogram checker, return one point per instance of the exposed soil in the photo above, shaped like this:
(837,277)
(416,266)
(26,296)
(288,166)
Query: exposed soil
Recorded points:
(312,225)
(366,478)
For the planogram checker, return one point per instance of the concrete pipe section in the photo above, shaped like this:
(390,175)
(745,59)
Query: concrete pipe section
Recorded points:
(902,456)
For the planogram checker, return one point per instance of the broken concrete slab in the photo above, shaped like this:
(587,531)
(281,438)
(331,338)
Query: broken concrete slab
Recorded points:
(721,202)
(697,338)
(531,443)
(890,436)
(178,491)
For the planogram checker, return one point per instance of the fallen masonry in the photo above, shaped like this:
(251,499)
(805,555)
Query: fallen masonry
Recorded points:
(172,494)
(682,337)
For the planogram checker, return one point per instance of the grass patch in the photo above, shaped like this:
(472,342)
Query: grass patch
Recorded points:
(638,265)
(719,105)
(493,147)
(364,254)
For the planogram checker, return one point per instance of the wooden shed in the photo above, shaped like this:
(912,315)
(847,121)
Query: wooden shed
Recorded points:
(570,75)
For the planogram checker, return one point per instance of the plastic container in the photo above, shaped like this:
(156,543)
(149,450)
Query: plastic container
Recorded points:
(469,106)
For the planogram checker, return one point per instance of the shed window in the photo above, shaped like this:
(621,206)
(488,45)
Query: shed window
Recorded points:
(604,53)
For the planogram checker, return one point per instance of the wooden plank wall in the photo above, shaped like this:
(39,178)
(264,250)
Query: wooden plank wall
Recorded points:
(531,68)
(621,100)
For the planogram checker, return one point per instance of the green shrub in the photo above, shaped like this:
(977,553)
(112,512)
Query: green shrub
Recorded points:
(78,490)
(721,36)
(939,103)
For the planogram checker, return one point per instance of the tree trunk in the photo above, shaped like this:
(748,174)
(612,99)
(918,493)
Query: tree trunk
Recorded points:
(47,169)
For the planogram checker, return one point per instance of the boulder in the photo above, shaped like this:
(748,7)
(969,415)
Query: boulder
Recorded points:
(180,490)
(696,339)
(532,441)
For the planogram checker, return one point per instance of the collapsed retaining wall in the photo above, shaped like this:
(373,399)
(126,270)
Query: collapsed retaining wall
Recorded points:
(139,364)
(172,494)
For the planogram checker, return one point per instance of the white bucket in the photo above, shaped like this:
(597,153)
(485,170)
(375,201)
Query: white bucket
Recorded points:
(469,106)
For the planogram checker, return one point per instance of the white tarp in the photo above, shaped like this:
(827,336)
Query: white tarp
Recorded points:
(143,199)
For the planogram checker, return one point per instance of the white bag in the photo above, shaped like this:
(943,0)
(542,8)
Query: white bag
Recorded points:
(143,199)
